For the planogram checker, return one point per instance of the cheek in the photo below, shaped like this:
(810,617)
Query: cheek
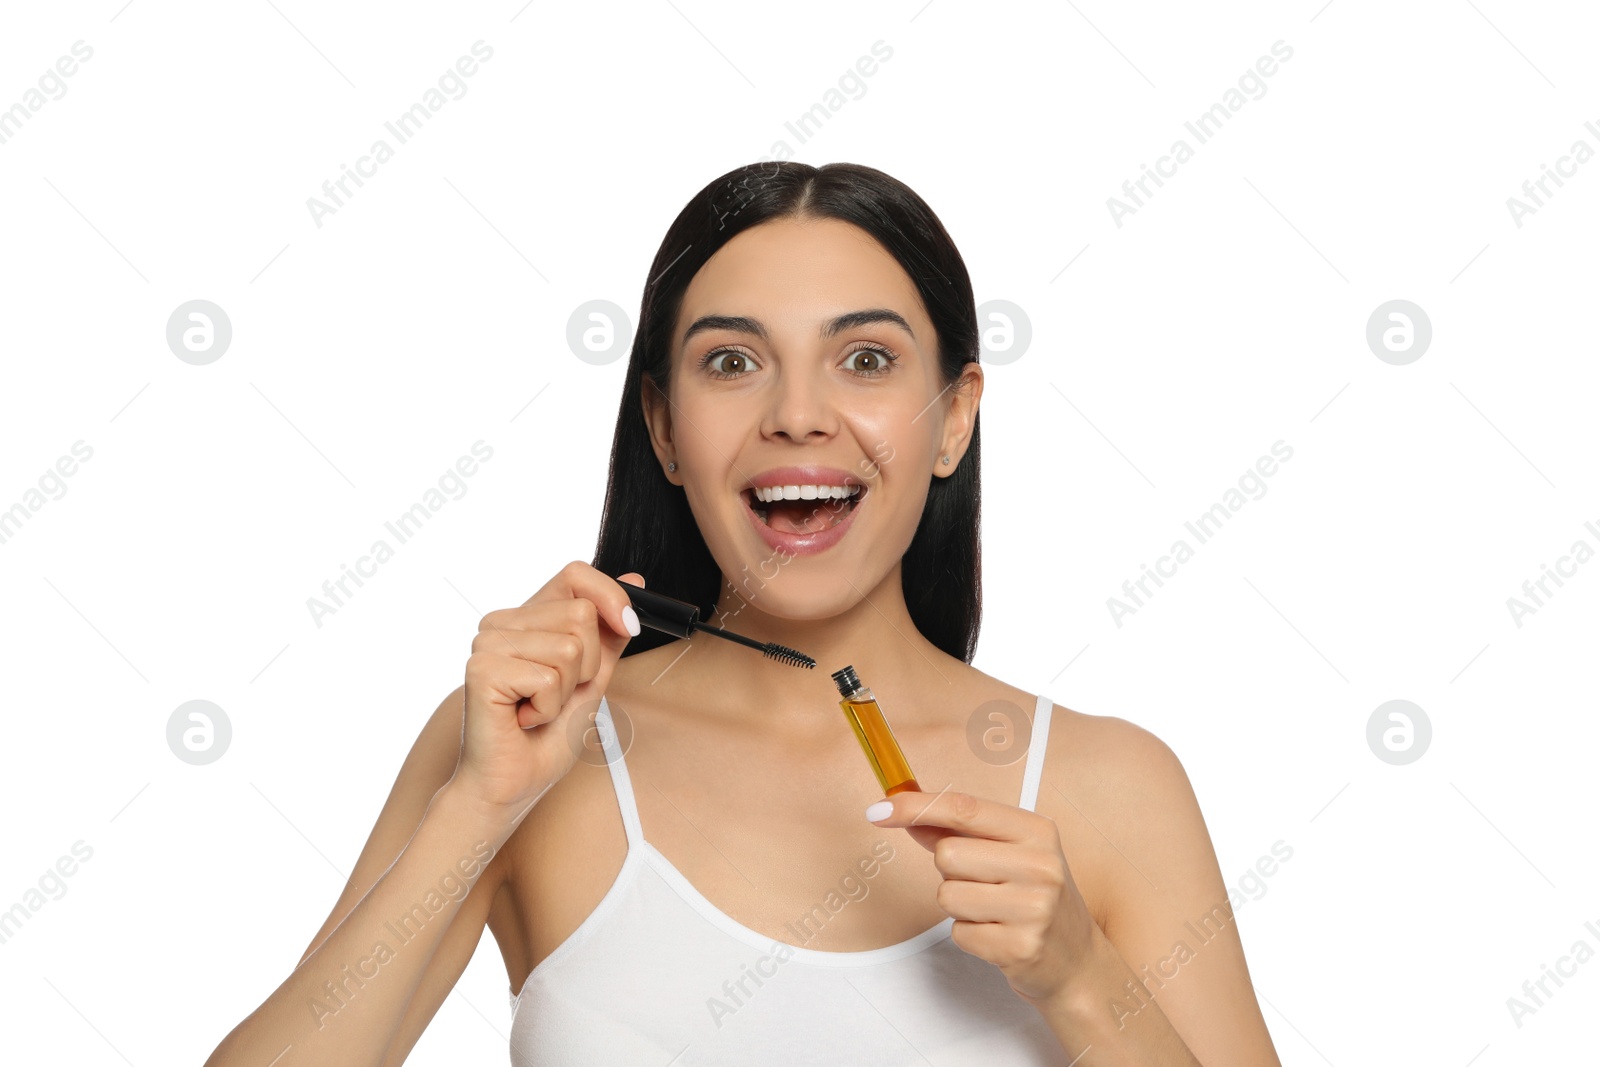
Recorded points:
(888,442)
(705,430)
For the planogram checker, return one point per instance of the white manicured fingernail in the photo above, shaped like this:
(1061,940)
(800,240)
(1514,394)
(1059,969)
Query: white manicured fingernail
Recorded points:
(881,810)
(630,619)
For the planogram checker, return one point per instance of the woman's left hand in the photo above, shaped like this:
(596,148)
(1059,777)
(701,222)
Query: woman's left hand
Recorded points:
(1007,885)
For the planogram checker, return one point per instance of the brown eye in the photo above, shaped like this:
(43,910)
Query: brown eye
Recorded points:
(871,361)
(734,364)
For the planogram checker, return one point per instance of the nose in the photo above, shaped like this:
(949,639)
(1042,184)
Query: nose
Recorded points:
(801,406)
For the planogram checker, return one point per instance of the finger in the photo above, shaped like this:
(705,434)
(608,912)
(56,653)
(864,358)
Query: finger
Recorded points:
(574,658)
(581,580)
(978,859)
(578,617)
(537,633)
(980,902)
(509,680)
(990,941)
(929,836)
(962,812)
(629,614)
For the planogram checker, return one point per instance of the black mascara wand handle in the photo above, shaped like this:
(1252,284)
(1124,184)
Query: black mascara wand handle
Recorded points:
(667,614)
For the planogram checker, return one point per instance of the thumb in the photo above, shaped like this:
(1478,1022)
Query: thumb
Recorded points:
(615,642)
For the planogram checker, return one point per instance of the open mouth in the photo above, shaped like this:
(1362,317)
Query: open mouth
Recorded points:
(825,507)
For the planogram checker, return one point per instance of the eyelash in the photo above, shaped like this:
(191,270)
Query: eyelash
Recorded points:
(889,356)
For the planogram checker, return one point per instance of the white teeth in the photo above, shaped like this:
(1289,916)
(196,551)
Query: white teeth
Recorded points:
(806,492)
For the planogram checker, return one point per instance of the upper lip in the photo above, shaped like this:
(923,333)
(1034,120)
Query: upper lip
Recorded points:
(802,476)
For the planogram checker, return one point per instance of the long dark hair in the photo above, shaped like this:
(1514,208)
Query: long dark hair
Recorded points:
(646,525)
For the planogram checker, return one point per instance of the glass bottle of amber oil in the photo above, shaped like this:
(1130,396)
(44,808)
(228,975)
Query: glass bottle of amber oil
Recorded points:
(872,730)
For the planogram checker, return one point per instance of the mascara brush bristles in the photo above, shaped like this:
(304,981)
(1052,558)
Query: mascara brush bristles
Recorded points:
(777,652)
(789,655)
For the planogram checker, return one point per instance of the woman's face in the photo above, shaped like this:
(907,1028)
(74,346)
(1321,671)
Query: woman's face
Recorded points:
(803,344)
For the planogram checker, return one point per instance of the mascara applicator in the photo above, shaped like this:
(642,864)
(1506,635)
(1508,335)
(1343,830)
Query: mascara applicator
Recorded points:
(681,619)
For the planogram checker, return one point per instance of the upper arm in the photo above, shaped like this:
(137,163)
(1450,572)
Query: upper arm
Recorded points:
(427,767)
(1165,906)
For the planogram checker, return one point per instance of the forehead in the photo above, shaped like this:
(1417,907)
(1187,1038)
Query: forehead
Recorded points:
(794,272)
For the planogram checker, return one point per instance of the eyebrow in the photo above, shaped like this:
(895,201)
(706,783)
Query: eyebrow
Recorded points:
(848,321)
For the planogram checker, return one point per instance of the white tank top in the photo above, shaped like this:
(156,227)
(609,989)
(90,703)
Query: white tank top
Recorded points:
(657,976)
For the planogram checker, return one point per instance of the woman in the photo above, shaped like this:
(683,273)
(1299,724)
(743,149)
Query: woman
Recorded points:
(700,886)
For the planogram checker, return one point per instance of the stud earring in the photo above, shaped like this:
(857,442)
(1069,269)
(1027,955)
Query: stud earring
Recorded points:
(674,466)
(947,461)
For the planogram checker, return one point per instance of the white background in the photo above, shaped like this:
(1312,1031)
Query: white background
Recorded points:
(1167,354)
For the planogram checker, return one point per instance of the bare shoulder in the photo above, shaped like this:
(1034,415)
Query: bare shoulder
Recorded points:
(1121,796)
(1139,850)
(1112,762)
(1121,801)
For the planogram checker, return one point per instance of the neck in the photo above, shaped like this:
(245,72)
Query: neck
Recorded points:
(875,636)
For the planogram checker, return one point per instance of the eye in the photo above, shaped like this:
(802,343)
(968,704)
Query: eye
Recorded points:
(736,362)
(871,361)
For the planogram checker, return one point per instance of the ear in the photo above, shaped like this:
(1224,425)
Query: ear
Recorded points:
(960,417)
(657,413)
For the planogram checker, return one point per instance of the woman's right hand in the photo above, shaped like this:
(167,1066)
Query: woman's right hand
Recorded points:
(532,667)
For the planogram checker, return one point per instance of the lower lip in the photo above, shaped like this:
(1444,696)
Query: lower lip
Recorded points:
(802,544)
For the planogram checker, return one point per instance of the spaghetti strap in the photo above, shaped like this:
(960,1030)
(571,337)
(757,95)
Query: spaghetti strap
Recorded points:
(620,782)
(1036,746)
